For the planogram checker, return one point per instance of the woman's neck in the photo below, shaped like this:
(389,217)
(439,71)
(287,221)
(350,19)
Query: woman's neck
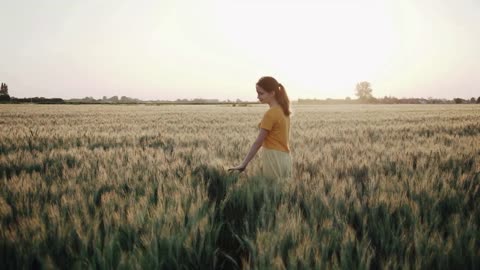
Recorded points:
(273,103)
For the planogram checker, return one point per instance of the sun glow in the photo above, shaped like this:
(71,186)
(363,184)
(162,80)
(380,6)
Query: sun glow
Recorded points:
(316,49)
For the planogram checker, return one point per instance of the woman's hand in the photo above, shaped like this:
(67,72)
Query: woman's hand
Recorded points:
(240,168)
(253,150)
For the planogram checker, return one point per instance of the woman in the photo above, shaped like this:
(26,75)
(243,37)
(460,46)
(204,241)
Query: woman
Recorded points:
(274,131)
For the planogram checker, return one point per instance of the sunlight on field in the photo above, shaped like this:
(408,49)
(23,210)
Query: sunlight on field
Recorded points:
(146,187)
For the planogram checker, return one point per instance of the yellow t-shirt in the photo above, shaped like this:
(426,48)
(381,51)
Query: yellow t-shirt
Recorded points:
(278,126)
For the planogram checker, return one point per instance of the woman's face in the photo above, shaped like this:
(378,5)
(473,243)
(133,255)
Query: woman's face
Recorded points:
(263,96)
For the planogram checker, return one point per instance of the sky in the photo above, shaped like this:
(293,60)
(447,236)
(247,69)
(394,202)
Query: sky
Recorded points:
(175,49)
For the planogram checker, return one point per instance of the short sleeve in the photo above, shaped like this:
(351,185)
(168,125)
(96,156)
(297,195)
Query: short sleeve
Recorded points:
(267,121)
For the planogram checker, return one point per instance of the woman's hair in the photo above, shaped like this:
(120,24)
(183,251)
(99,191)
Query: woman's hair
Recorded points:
(269,84)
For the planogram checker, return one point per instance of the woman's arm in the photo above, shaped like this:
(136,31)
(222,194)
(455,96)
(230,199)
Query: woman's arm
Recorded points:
(253,150)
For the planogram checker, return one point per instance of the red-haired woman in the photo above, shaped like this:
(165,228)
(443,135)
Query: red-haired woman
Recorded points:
(274,131)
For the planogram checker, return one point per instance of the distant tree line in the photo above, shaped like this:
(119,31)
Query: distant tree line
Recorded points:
(5,98)
(127,100)
(105,99)
(363,90)
(38,100)
(466,101)
(373,100)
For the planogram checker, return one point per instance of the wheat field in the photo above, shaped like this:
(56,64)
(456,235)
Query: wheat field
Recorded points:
(146,187)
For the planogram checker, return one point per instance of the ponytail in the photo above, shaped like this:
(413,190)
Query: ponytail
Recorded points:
(283,100)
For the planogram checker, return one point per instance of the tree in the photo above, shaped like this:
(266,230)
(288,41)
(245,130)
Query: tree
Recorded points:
(363,91)
(4,89)
(478,100)
(472,100)
(458,100)
(4,96)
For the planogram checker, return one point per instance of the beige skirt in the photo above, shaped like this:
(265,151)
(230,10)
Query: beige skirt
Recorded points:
(276,164)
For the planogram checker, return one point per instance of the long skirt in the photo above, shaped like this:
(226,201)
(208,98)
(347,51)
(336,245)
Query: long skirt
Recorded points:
(276,164)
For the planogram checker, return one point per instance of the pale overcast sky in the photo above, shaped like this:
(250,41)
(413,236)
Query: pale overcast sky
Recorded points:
(218,49)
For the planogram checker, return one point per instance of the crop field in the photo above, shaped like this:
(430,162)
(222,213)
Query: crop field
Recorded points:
(147,187)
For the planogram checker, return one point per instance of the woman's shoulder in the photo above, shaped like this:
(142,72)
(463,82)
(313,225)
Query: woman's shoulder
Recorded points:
(271,112)
(275,114)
